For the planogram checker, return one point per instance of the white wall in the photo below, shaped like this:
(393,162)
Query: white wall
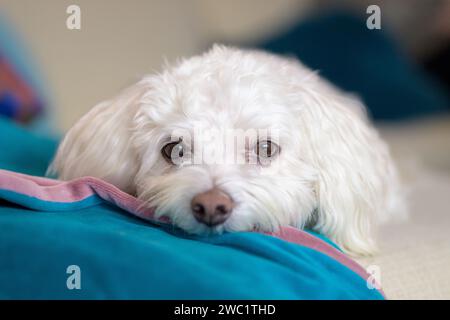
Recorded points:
(119,41)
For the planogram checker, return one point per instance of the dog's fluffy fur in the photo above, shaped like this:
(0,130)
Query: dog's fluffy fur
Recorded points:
(334,174)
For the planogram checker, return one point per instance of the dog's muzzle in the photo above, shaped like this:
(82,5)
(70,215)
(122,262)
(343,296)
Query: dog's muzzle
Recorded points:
(212,207)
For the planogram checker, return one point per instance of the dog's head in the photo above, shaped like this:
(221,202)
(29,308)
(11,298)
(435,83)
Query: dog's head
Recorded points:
(239,140)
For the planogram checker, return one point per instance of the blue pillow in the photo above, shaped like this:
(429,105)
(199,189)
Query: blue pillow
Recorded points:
(363,61)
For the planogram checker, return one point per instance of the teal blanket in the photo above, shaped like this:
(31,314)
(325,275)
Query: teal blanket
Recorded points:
(100,251)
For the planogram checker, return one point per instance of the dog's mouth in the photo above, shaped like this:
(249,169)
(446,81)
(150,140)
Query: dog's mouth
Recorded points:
(212,223)
(211,230)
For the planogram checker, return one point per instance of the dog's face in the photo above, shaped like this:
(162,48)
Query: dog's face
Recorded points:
(239,140)
(238,135)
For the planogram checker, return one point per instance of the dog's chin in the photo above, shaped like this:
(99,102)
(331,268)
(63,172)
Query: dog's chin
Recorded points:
(205,230)
(191,226)
(186,222)
(197,228)
(200,229)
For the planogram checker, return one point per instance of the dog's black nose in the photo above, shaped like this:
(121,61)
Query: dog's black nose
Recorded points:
(212,207)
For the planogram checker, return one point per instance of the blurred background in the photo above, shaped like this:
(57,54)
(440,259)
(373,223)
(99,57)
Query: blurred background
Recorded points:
(118,43)
(50,76)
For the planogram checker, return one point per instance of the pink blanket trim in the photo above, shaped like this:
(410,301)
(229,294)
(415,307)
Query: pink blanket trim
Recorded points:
(79,189)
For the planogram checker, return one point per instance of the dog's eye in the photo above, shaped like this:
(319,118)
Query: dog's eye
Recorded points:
(266,149)
(173,151)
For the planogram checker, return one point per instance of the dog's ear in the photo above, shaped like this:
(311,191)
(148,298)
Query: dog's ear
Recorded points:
(356,176)
(99,143)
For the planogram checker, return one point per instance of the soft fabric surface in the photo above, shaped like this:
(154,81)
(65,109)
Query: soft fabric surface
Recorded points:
(24,95)
(19,99)
(48,225)
(415,255)
(22,151)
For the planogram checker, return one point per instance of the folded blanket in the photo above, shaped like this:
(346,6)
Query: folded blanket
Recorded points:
(124,253)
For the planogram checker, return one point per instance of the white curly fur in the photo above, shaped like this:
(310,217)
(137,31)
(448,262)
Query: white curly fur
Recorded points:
(334,174)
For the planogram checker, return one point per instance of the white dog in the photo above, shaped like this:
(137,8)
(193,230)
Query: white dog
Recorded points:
(328,169)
